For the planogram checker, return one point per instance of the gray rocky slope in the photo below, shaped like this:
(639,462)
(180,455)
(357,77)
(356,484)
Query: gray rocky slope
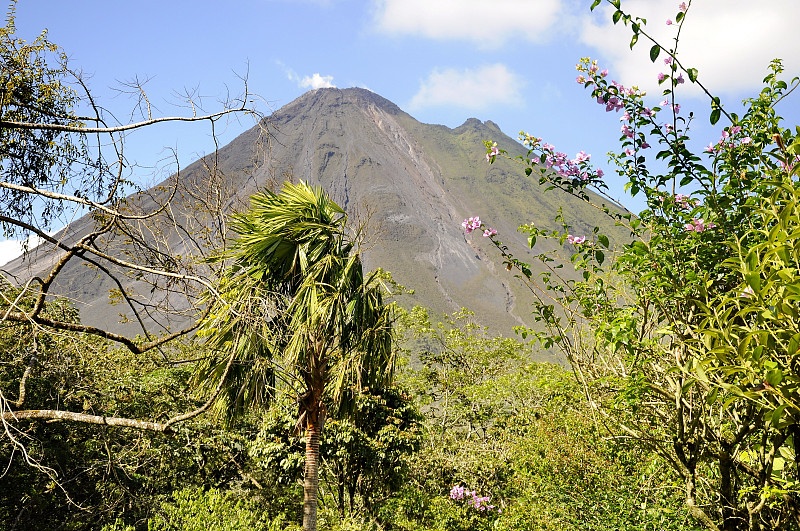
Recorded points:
(414,183)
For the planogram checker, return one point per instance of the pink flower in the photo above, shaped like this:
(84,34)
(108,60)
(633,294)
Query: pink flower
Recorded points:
(629,152)
(576,240)
(580,79)
(683,7)
(626,117)
(669,22)
(676,108)
(736,129)
(627,131)
(684,201)
(661,76)
(599,173)
(471,224)
(492,154)
(604,73)
(698,225)
(644,145)
(489,232)
(679,79)
(668,61)
(747,140)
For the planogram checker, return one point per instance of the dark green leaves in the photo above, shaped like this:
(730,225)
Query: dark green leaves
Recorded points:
(654,51)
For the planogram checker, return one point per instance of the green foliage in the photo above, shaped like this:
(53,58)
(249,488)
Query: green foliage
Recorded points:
(688,342)
(364,455)
(521,434)
(211,510)
(78,476)
(295,295)
(33,91)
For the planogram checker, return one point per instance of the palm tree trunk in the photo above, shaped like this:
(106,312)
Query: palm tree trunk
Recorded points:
(311,477)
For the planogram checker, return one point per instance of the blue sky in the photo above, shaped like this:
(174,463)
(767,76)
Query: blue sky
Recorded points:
(443,61)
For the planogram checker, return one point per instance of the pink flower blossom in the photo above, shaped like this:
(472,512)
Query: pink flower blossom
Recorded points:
(599,173)
(580,79)
(626,117)
(683,7)
(471,224)
(576,240)
(492,154)
(683,201)
(582,156)
(604,73)
(627,131)
(644,145)
(489,232)
(679,79)
(629,152)
(676,108)
(661,76)
(698,225)
(669,22)
(747,140)
(668,61)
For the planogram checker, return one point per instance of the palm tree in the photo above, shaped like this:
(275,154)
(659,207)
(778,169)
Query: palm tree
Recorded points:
(296,311)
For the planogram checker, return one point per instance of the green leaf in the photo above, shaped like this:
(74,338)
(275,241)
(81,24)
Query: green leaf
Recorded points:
(654,51)
(680,16)
(692,74)
(714,118)
(634,40)
(595,4)
(531,241)
(617,15)
(774,377)
(603,240)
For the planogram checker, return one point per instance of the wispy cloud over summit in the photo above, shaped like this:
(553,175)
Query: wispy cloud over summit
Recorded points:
(473,89)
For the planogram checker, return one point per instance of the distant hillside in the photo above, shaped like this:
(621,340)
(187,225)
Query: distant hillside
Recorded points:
(416,181)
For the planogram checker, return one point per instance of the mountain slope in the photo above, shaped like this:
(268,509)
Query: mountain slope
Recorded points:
(413,182)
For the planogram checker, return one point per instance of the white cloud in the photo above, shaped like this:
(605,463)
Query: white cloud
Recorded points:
(10,249)
(317,81)
(478,89)
(729,42)
(313,81)
(488,23)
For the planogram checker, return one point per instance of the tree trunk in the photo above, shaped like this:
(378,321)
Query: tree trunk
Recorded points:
(311,477)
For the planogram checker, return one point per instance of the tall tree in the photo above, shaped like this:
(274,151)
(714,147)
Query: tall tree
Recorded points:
(300,314)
